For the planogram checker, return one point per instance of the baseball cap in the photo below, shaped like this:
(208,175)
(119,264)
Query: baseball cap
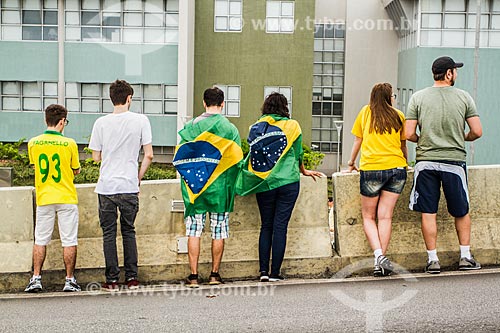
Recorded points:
(442,64)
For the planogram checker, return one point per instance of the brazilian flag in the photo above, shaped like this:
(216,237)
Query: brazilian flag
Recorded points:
(275,155)
(208,159)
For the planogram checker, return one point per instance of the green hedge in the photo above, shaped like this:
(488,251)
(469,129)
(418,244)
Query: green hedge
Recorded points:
(24,174)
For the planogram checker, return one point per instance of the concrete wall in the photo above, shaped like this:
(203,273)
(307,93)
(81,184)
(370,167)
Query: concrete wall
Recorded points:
(16,229)
(407,247)
(309,252)
(158,230)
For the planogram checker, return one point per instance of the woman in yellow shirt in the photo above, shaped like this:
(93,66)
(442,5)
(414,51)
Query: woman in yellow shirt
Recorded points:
(378,131)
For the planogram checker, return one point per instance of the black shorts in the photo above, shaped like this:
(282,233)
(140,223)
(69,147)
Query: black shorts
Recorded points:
(426,191)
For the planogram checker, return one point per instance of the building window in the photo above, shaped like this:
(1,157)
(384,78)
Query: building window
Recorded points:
(231,100)
(115,21)
(147,99)
(228,15)
(28,20)
(286,91)
(328,85)
(27,96)
(452,23)
(280,16)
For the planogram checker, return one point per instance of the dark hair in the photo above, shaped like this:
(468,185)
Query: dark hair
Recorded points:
(384,117)
(119,91)
(213,97)
(276,103)
(54,113)
(440,76)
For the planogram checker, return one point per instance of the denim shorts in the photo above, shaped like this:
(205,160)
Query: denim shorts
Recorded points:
(373,181)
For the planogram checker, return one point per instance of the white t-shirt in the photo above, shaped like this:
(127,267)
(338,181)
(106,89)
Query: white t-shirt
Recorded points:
(119,138)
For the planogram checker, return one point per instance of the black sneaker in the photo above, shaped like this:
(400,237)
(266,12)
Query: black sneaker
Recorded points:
(433,267)
(385,265)
(377,271)
(264,276)
(276,278)
(192,281)
(214,278)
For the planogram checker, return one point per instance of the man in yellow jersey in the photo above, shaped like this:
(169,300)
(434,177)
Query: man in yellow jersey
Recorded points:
(56,163)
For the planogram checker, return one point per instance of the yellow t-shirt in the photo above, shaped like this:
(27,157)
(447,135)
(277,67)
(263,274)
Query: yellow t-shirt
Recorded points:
(378,151)
(55,157)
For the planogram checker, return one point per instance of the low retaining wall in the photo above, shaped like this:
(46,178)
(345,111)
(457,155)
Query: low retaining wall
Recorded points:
(158,231)
(309,252)
(407,246)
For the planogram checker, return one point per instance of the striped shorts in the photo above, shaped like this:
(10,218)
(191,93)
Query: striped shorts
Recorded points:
(219,225)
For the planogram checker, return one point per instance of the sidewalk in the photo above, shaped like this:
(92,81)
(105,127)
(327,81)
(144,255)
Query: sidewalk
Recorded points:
(250,288)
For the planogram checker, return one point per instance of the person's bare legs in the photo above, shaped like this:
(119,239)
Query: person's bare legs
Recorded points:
(462,225)
(39,252)
(217,252)
(429,230)
(369,211)
(386,204)
(193,253)
(69,255)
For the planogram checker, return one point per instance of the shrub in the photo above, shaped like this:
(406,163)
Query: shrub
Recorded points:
(312,159)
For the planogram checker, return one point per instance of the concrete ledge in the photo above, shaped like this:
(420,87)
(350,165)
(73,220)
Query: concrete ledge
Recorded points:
(157,231)
(16,229)
(407,241)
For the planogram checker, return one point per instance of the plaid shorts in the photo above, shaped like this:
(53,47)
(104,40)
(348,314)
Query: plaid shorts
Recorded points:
(219,225)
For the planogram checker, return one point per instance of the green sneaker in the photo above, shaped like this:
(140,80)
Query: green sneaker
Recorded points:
(433,267)
(466,264)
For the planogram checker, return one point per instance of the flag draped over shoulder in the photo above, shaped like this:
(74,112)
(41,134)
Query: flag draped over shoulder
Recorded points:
(275,155)
(208,159)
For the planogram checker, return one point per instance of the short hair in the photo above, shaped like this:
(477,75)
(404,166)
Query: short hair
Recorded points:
(119,91)
(276,103)
(213,97)
(440,76)
(54,113)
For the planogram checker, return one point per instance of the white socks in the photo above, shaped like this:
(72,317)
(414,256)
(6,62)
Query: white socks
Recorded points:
(377,253)
(37,276)
(432,255)
(465,251)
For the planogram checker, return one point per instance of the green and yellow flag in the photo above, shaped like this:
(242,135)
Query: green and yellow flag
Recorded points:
(208,159)
(275,155)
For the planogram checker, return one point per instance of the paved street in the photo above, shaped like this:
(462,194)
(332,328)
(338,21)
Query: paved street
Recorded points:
(464,302)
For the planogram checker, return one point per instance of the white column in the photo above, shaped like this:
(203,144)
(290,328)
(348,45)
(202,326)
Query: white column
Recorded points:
(61,36)
(186,62)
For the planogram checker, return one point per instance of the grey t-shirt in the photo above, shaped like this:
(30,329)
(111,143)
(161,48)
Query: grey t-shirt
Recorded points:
(441,113)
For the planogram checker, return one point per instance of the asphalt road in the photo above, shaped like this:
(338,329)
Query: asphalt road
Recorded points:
(463,302)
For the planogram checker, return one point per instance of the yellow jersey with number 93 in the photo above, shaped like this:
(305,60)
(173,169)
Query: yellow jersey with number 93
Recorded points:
(55,157)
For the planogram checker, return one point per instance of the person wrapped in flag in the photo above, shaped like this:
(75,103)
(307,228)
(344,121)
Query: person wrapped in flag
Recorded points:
(208,158)
(272,170)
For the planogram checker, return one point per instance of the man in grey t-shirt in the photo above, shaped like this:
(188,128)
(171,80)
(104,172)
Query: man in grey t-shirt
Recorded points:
(441,112)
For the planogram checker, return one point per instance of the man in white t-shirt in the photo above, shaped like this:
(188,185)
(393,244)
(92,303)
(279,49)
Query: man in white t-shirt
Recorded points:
(116,141)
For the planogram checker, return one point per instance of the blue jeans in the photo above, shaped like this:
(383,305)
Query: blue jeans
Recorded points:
(275,208)
(128,204)
(372,182)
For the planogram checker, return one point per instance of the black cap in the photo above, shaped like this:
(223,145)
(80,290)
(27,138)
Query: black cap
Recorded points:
(442,64)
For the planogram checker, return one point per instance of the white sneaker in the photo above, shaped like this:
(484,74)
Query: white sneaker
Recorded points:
(34,286)
(71,285)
